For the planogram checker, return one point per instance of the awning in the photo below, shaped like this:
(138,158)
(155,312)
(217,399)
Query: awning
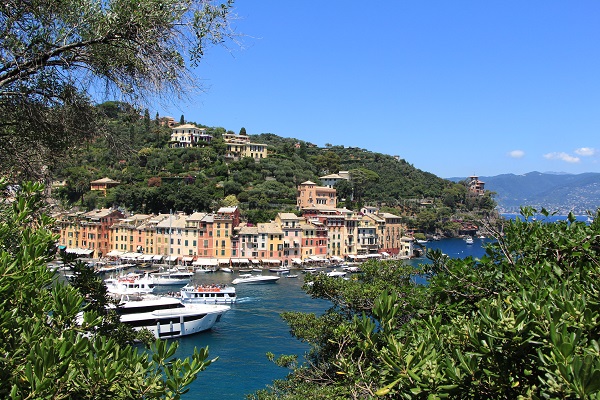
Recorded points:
(79,251)
(157,258)
(240,261)
(383,253)
(374,255)
(223,260)
(187,259)
(148,257)
(171,258)
(296,261)
(114,253)
(336,258)
(254,261)
(270,261)
(317,258)
(206,261)
(131,256)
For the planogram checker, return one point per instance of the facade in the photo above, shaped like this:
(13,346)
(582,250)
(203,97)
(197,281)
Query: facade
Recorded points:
(189,135)
(239,146)
(332,179)
(103,185)
(476,186)
(311,195)
(321,233)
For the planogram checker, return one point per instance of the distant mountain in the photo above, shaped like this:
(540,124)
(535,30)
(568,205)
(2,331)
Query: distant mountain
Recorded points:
(555,192)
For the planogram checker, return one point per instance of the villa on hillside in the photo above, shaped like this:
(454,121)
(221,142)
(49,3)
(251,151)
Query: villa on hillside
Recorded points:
(188,135)
(103,184)
(310,195)
(476,186)
(239,146)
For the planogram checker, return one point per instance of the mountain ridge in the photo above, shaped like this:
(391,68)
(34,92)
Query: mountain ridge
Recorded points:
(562,193)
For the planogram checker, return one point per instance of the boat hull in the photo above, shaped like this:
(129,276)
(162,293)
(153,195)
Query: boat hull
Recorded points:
(177,322)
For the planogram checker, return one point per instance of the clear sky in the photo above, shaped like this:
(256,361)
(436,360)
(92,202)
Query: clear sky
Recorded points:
(453,87)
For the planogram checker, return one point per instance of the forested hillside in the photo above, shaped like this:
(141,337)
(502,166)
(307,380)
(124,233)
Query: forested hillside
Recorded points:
(154,178)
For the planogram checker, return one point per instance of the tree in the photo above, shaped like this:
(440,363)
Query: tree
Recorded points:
(181,120)
(243,132)
(519,323)
(49,348)
(52,53)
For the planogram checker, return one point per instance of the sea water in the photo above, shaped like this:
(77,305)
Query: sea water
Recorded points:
(254,327)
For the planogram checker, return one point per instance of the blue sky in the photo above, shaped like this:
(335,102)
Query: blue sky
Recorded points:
(453,87)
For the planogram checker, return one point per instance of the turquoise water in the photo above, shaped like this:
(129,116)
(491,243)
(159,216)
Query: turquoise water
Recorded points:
(253,327)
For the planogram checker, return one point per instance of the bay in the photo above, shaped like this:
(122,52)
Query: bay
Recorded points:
(254,327)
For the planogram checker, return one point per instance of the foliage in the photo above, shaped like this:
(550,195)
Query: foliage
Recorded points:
(51,345)
(54,56)
(519,323)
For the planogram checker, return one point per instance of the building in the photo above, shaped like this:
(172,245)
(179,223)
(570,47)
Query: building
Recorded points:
(311,195)
(239,146)
(87,233)
(189,135)
(476,186)
(332,179)
(103,185)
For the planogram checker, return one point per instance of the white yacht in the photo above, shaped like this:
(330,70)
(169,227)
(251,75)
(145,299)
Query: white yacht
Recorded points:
(171,277)
(130,284)
(254,279)
(208,294)
(469,240)
(167,317)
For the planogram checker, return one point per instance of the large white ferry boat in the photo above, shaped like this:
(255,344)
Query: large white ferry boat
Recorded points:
(208,294)
(167,317)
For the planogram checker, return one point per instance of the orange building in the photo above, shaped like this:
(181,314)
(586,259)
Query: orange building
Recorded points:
(311,195)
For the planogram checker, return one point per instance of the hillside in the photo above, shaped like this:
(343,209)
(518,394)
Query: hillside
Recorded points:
(154,178)
(555,192)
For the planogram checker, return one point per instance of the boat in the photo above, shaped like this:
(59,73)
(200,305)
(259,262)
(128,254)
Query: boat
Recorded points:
(255,279)
(172,277)
(130,284)
(469,240)
(226,269)
(352,269)
(309,270)
(336,274)
(291,276)
(207,294)
(280,270)
(168,317)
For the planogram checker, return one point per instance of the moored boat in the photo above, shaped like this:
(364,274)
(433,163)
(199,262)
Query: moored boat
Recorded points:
(130,284)
(255,279)
(208,294)
(168,317)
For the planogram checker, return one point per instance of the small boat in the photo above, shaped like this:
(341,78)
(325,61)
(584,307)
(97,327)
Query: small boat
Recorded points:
(255,279)
(207,294)
(171,277)
(226,269)
(352,269)
(291,276)
(168,317)
(257,270)
(469,240)
(309,270)
(336,274)
(282,270)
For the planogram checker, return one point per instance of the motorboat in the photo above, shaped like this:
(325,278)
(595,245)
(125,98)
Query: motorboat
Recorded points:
(168,317)
(209,294)
(280,270)
(309,270)
(469,240)
(352,269)
(255,279)
(130,284)
(226,269)
(172,277)
(291,276)
(336,274)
